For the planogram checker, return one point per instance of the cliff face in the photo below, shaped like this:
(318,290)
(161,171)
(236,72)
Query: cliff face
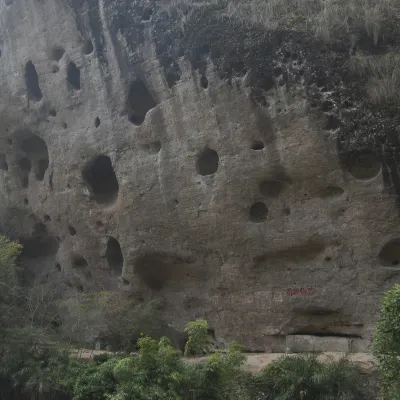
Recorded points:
(173,151)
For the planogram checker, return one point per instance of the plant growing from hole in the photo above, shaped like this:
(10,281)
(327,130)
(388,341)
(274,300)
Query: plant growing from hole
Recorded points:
(199,340)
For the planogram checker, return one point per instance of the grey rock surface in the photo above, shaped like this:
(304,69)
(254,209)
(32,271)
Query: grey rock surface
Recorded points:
(198,160)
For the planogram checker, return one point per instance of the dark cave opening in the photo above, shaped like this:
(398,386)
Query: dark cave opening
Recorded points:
(32,82)
(207,162)
(100,176)
(114,256)
(74,76)
(139,102)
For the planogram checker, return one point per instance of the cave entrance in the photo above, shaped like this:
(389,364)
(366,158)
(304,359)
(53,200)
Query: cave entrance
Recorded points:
(389,256)
(32,82)
(37,155)
(114,256)
(74,76)
(207,163)
(139,102)
(100,176)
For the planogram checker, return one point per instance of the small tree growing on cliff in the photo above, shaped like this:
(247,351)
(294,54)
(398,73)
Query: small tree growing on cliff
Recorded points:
(199,340)
(387,343)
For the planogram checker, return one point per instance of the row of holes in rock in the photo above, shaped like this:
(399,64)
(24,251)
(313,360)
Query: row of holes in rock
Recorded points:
(100,176)
(36,157)
(139,100)
(114,257)
(32,80)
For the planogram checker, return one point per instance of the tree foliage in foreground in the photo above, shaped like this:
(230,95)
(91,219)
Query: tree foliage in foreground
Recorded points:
(387,343)
(30,369)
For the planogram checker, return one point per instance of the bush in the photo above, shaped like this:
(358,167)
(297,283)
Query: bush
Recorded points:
(199,340)
(387,343)
(292,378)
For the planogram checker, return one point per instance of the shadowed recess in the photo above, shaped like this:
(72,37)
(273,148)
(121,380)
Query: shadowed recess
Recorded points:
(41,245)
(56,53)
(80,265)
(99,175)
(362,166)
(88,47)
(389,256)
(32,82)
(138,102)
(114,256)
(258,212)
(74,76)
(207,162)
(156,269)
(257,145)
(37,155)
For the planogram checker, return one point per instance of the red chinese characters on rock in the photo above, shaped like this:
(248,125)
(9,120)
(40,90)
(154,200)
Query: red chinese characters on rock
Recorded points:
(301,291)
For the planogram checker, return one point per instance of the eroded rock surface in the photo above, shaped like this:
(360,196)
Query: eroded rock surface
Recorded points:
(237,173)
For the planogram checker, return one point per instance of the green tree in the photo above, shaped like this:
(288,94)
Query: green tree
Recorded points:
(293,378)
(199,341)
(386,344)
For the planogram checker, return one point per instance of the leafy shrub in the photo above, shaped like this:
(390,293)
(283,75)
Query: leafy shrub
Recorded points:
(199,340)
(97,383)
(387,343)
(292,378)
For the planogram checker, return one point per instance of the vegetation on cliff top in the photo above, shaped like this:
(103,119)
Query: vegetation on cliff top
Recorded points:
(328,19)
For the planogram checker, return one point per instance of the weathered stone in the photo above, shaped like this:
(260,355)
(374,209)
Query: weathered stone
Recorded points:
(219,166)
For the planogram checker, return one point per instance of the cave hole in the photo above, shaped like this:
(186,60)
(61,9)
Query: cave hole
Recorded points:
(97,122)
(100,177)
(138,102)
(257,145)
(58,267)
(56,53)
(88,47)
(258,212)
(79,262)
(72,230)
(272,188)
(204,82)
(362,166)
(53,113)
(26,201)
(207,162)
(41,245)
(389,256)
(114,256)
(32,82)
(37,153)
(74,76)
(47,218)
(3,162)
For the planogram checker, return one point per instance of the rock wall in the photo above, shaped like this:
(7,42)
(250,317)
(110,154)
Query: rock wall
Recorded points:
(234,172)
